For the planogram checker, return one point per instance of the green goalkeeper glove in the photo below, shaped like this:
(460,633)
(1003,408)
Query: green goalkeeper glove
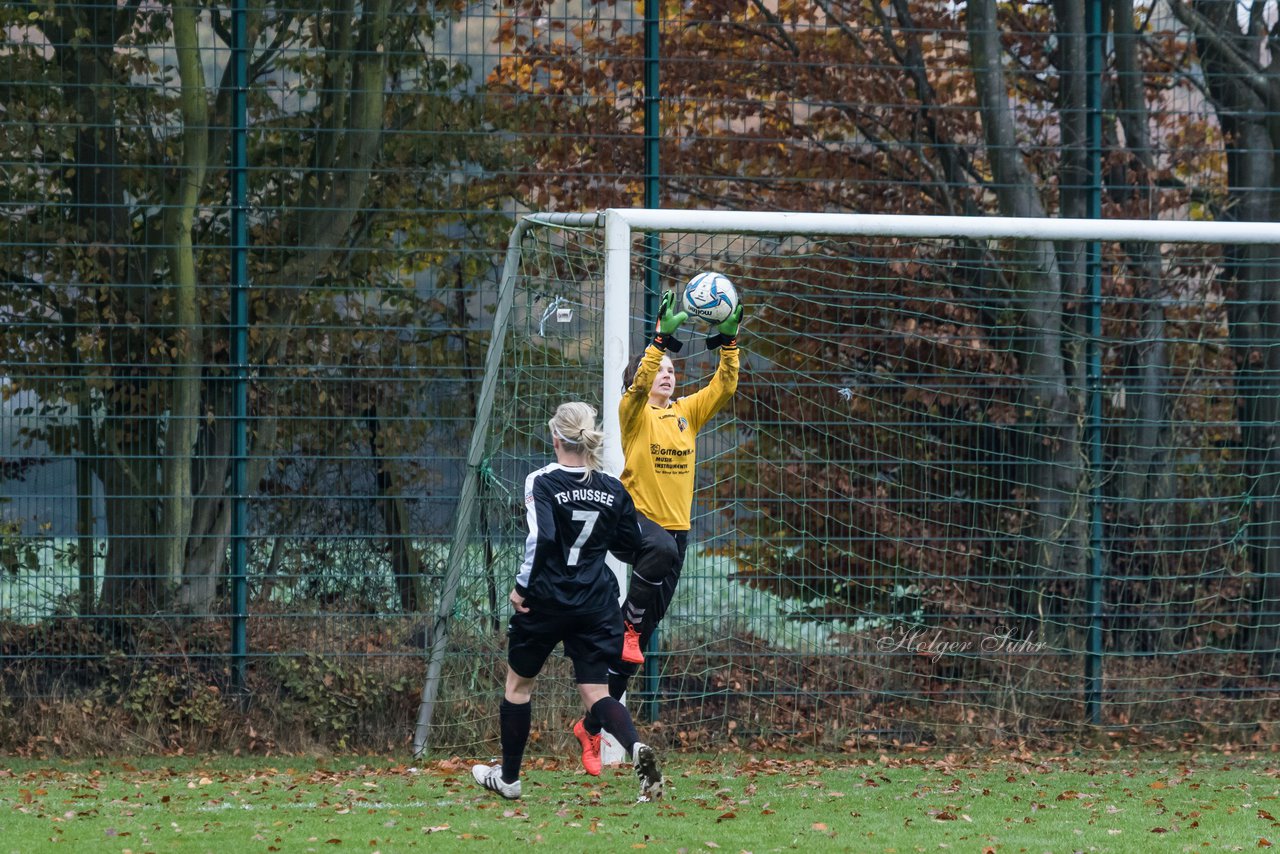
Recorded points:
(729,326)
(669,321)
(727,330)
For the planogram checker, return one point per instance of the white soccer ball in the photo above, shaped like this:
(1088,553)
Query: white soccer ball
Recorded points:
(710,297)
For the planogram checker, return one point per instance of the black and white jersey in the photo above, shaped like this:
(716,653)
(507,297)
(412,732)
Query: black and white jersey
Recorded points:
(572,524)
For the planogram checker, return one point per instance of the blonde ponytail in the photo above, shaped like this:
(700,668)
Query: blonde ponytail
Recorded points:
(574,424)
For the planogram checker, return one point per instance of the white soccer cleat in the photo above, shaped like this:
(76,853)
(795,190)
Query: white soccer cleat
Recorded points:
(650,776)
(490,776)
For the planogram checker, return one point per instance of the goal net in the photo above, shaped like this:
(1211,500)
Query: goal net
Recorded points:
(982,480)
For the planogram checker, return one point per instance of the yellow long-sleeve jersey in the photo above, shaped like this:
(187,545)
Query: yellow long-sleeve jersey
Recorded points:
(660,445)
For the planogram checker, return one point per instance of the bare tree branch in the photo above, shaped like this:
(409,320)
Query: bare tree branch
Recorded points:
(1205,29)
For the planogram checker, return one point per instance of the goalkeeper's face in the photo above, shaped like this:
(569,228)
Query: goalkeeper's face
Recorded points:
(664,384)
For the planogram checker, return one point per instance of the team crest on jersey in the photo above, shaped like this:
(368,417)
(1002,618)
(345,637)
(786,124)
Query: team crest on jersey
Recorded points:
(683,424)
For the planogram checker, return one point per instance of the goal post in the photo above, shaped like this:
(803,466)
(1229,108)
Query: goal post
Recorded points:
(963,472)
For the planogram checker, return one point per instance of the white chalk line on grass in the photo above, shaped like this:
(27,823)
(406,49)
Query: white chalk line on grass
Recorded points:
(338,808)
(311,805)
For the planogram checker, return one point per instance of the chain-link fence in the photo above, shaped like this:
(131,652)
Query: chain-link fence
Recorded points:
(250,256)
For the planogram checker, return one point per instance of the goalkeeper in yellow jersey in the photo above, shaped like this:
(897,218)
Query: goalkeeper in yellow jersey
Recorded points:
(659,444)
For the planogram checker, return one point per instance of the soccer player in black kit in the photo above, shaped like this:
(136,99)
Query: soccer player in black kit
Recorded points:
(564,593)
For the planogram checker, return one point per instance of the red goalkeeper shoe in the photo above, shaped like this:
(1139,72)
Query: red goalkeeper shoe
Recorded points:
(631,645)
(590,748)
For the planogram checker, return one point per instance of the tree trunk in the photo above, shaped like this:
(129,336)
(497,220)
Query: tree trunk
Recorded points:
(130,584)
(183,422)
(1074,192)
(1246,97)
(1048,434)
(85,540)
(211,512)
(406,566)
(101,220)
(1073,168)
(211,507)
(1143,480)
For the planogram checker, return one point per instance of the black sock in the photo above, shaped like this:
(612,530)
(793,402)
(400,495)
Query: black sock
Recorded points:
(617,687)
(515,719)
(617,720)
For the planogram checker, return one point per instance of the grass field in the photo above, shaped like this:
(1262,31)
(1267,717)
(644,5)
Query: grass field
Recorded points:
(888,803)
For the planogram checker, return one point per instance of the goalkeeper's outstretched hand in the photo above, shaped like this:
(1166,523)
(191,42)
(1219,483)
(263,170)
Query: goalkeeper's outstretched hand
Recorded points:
(669,321)
(727,331)
(729,326)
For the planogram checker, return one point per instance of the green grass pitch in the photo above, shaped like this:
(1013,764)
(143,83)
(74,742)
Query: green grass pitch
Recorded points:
(736,802)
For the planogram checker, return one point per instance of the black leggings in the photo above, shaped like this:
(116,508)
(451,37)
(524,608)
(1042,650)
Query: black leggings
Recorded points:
(659,560)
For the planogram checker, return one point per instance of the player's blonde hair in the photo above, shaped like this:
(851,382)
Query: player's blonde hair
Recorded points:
(574,424)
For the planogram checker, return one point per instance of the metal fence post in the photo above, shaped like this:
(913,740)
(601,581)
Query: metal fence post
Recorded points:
(239,342)
(1093,368)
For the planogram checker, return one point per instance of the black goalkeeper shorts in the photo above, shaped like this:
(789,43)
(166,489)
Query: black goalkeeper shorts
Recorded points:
(591,641)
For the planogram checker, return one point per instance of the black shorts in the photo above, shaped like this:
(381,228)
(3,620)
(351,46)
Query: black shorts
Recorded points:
(590,640)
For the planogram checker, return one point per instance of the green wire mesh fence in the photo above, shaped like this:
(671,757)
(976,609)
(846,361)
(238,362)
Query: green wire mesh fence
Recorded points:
(384,152)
